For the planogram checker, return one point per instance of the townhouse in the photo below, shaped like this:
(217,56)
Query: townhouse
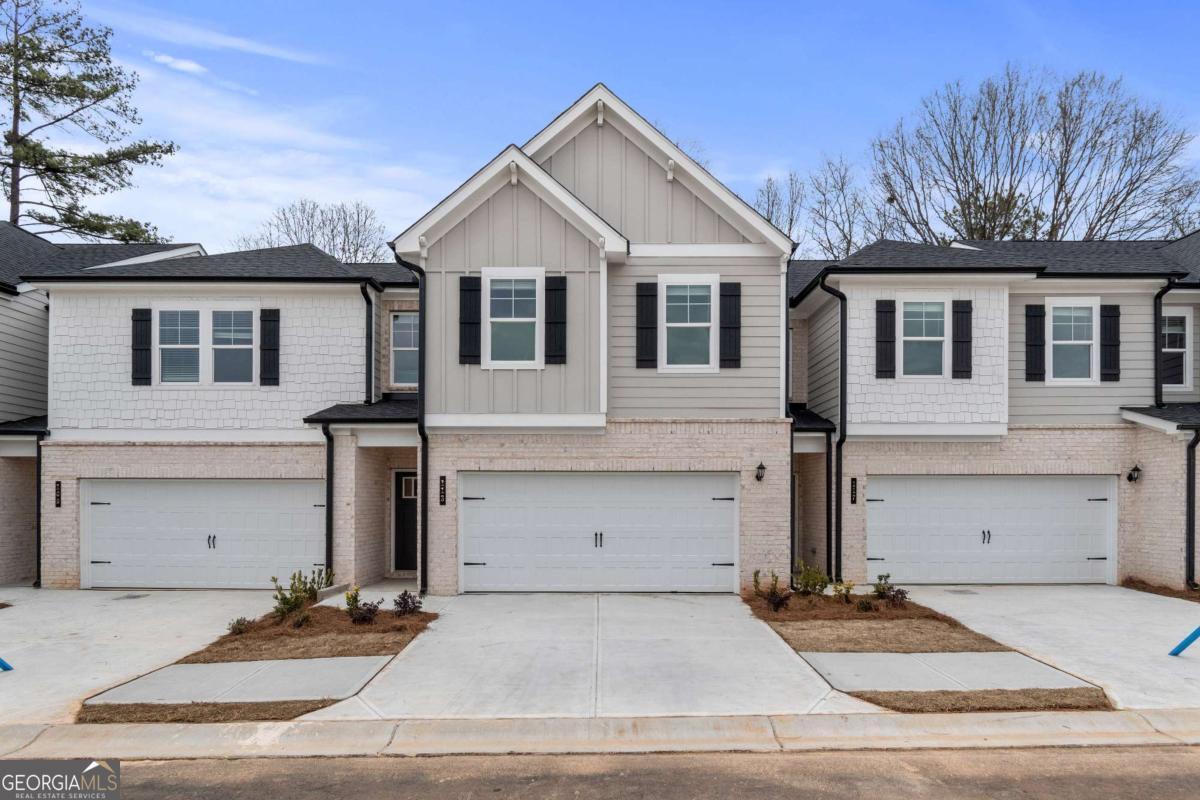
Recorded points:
(592,367)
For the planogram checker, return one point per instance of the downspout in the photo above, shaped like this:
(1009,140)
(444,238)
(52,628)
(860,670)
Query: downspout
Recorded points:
(421,432)
(1189,536)
(1158,304)
(787,376)
(328,497)
(828,505)
(37,513)
(841,427)
(370,376)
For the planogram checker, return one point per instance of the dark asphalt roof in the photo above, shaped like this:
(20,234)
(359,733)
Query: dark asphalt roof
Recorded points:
(19,249)
(1185,415)
(301,261)
(404,410)
(802,271)
(24,427)
(807,421)
(392,274)
(76,256)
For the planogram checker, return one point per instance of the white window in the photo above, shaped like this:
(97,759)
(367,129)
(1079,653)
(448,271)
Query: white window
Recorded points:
(923,342)
(405,336)
(233,347)
(179,346)
(512,333)
(1072,333)
(1176,342)
(688,313)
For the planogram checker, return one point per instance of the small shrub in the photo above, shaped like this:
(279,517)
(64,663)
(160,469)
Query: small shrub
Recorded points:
(864,604)
(406,603)
(361,613)
(353,599)
(776,596)
(810,580)
(239,626)
(897,597)
(882,586)
(842,590)
(300,620)
(289,600)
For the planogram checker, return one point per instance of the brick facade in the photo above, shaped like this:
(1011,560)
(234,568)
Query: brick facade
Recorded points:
(810,509)
(362,495)
(18,483)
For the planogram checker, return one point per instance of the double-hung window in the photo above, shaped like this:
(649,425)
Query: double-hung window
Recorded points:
(233,346)
(688,310)
(179,346)
(1176,342)
(405,336)
(922,338)
(515,302)
(1073,330)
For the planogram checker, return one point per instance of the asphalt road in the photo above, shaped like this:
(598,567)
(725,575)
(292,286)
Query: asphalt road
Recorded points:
(1160,773)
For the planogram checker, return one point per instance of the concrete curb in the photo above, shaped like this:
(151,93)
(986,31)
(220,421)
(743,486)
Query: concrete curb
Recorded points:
(602,735)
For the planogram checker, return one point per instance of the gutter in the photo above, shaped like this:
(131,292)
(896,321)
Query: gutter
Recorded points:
(1189,538)
(828,505)
(787,377)
(421,432)
(37,513)
(1156,339)
(370,370)
(836,573)
(328,496)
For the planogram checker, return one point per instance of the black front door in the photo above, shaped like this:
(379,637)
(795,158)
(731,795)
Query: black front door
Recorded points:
(404,505)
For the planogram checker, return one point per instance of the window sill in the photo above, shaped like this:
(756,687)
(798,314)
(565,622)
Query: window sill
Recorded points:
(206,386)
(1072,382)
(512,365)
(700,370)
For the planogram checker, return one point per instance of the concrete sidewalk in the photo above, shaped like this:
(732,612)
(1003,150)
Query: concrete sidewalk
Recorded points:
(602,735)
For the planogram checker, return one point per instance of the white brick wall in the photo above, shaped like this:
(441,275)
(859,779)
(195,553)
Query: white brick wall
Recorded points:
(982,399)
(321,363)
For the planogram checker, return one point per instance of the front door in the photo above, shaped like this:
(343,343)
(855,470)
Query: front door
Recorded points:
(405,523)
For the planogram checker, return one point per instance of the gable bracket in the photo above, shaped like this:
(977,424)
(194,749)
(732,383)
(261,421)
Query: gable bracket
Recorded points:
(600,113)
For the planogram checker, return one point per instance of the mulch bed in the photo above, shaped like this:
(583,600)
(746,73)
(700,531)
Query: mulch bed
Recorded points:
(197,712)
(5,605)
(883,636)
(803,608)
(1166,591)
(1080,698)
(328,633)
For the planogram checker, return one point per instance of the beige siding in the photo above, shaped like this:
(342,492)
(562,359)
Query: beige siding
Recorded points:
(1039,403)
(749,391)
(23,335)
(616,176)
(824,363)
(798,331)
(513,228)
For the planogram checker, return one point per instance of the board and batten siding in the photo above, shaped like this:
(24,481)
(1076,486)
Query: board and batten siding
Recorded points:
(614,175)
(513,228)
(749,391)
(1038,403)
(824,365)
(23,352)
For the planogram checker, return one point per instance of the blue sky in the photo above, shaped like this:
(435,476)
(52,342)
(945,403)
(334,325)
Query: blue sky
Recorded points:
(395,103)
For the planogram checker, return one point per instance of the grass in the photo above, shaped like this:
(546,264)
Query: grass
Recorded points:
(1166,591)
(1082,698)
(328,633)
(106,713)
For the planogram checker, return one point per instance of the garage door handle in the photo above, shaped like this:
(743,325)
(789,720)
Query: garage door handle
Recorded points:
(1097,558)
(875,559)
(474,563)
(474,498)
(100,503)
(602,538)
(722,563)
(730,499)
(1097,499)
(101,562)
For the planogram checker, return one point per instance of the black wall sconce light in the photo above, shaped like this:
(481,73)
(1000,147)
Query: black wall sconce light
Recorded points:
(760,471)
(1135,474)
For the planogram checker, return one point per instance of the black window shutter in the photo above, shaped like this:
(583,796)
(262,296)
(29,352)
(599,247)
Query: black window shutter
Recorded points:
(556,319)
(960,358)
(143,341)
(268,347)
(647,325)
(1035,343)
(469,290)
(885,338)
(1110,343)
(731,325)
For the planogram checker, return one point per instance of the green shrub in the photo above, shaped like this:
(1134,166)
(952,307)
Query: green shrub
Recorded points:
(882,586)
(888,592)
(810,580)
(302,590)
(776,596)
(361,613)
(406,603)
(842,590)
(239,626)
(301,619)
(864,604)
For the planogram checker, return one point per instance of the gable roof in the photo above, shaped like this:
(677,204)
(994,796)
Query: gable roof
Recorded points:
(585,109)
(511,164)
(18,249)
(271,263)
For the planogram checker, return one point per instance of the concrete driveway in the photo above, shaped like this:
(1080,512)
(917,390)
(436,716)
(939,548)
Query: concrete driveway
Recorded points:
(588,655)
(65,645)
(1116,638)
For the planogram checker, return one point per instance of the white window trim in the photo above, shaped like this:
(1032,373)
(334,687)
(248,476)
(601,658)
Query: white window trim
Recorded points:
(1060,302)
(539,333)
(922,297)
(205,308)
(1189,367)
(714,337)
(392,348)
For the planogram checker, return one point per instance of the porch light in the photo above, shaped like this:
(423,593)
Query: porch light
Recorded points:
(761,470)
(1134,474)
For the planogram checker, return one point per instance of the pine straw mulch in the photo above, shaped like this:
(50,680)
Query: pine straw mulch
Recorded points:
(328,633)
(5,605)
(825,624)
(1165,591)
(1081,698)
(105,713)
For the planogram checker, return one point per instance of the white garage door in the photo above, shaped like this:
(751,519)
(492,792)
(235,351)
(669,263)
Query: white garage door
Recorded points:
(598,531)
(200,534)
(1023,529)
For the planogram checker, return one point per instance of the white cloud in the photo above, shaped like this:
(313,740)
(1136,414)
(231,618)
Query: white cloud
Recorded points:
(190,34)
(178,64)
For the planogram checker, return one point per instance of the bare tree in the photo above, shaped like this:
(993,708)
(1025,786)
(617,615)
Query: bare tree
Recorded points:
(1037,157)
(350,232)
(781,201)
